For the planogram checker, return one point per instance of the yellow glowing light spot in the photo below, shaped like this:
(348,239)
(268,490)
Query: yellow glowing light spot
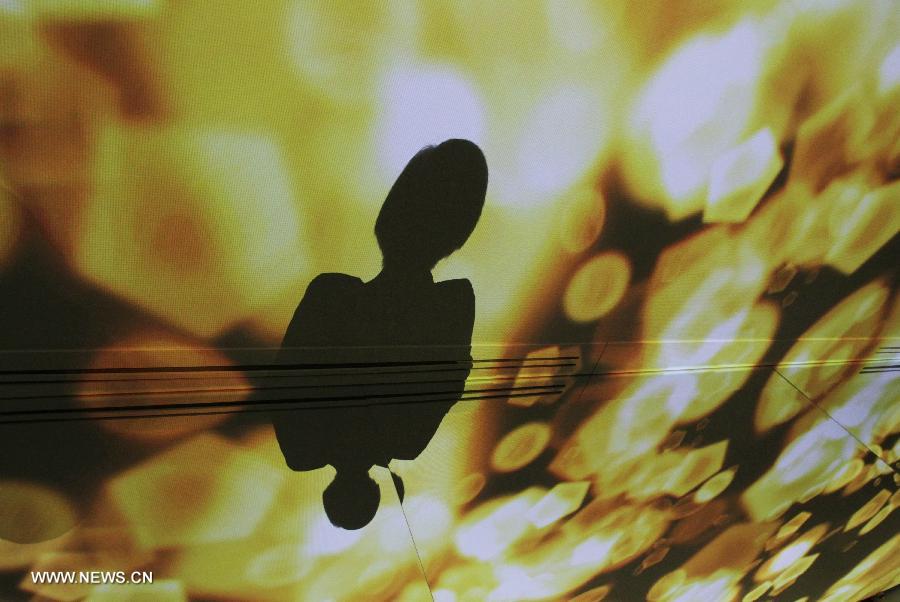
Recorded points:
(468,487)
(787,559)
(673,440)
(757,592)
(667,585)
(537,377)
(783,559)
(597,287)
(596,594)
(697,466)
(778,402)
(878,568)
(520,447)
(843,593)
(889,71)
(561,500)
(166,590)
(603,537)
(619,433)
(739,178)
(571,462)
(714,486)
(221,237)
(149,349)
(424,105)
(833,140)
(697,106)
(865,475)
(339,51)
(740,544)
(708,517)
(876,520)
(868,510)
(654,557)
(720,585)
(791,527)
(862,226)
(97,9)
(582,220)
(203,490)
(782,278)
(279,565)
(468,580)
(842,333)
(787,578)
(32,513)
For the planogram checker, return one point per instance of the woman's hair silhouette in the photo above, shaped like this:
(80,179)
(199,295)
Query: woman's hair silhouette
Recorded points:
(433,206)
(400,316)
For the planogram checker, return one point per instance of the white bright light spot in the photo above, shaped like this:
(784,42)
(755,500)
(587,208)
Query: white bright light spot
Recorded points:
(697,106)
(740,177)
(889,71)
(561,140)
(425,105)
(594,551)
(576,24)
(325,539)
(12,6)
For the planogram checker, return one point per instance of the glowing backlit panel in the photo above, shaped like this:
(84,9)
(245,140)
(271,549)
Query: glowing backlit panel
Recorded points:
(690,240)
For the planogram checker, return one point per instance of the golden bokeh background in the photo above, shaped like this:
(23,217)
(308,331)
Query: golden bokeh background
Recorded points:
(691,229)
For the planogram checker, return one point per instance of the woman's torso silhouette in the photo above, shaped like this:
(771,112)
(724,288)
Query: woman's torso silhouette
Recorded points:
(383,412)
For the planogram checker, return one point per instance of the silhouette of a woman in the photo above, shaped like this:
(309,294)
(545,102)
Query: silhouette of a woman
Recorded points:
(400,317)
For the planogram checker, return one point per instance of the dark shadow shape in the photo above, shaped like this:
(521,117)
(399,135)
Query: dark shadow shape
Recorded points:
(401,315)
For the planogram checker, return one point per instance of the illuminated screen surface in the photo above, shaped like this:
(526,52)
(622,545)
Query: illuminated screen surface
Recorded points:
(688,251)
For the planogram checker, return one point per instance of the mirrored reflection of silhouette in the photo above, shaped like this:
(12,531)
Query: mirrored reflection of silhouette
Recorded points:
(401,315)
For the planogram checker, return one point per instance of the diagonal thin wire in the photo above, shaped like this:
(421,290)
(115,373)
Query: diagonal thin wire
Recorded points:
(830,417)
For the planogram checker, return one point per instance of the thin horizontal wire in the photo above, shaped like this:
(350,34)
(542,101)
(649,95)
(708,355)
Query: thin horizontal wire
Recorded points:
(250,389)
(267,367)
(258,376)
(213,404)
(251,410)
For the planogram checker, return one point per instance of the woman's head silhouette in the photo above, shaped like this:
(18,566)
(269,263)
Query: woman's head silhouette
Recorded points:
(352,498)
(433,206)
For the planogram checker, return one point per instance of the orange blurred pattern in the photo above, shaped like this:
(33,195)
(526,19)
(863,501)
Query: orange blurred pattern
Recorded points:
(697,199)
